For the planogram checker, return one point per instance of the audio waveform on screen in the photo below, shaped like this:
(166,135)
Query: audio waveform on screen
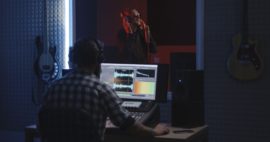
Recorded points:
(124,72)
(145,73)
(123,80)
(123,88)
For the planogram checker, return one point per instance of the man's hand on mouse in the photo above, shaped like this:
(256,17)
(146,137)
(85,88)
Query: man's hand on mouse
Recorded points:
(161,129)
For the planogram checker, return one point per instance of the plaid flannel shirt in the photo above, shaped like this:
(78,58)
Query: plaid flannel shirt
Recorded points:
(83,90)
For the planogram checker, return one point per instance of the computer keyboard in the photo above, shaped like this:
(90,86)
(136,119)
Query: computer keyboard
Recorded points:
(137,115)
(145,106)
(149,118)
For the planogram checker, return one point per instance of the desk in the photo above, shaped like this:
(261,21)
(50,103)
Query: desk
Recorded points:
(199,134)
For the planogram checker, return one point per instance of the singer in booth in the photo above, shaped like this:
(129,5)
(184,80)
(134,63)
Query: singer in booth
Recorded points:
(136,42)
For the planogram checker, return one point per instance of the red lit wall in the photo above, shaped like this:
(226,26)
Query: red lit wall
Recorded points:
(108,24)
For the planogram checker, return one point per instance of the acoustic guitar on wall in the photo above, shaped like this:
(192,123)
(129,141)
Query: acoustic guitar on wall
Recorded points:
(245,62)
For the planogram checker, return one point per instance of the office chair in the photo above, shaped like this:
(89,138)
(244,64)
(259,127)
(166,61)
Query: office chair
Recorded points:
(66,125)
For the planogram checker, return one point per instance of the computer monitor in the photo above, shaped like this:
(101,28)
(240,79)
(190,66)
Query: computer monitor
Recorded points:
(162,83)
(131,81)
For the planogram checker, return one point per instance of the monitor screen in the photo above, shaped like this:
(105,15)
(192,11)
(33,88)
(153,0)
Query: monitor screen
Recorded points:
(131,81)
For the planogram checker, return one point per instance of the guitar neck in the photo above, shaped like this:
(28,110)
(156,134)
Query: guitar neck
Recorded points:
(244,28)
(46,41)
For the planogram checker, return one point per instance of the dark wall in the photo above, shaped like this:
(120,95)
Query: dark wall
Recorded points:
(85,18)
(236,111)
(172,22)
(21,21)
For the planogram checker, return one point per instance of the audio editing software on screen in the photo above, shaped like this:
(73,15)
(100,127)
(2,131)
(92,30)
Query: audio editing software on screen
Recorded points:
(131,81)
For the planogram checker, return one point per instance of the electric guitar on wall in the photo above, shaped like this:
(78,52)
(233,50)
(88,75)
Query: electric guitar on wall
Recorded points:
(46,67)
(245,62)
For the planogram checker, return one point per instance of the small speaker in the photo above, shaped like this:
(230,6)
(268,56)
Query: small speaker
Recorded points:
(180,61)
(187,99)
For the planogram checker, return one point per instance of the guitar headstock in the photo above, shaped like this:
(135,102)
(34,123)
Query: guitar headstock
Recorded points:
(38,41)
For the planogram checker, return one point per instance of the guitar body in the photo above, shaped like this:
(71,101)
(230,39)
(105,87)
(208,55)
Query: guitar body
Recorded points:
(52,51)
(46,62)
(245,63)
(46,66)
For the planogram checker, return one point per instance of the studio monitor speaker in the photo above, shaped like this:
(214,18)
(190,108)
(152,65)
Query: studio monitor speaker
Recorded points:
(187,99)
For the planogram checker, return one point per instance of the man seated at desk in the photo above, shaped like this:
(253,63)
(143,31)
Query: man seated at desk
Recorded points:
(82,89)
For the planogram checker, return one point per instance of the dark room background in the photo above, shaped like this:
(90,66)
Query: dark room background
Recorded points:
(235,110)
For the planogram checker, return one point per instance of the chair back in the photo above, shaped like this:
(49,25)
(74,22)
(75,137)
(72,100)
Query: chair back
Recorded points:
(67,125)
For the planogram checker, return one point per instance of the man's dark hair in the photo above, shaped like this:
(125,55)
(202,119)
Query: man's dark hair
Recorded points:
(86,52)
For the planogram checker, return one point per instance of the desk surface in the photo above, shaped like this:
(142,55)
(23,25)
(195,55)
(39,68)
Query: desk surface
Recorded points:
(197,134)
(180,134)
(192,135)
